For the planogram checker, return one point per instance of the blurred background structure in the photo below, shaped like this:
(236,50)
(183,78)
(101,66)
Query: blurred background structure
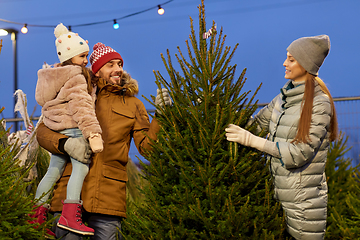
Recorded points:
(263,29)
(348,113)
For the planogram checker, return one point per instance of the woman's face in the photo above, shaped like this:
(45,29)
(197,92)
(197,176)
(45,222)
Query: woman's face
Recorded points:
(81,59)
(293,70)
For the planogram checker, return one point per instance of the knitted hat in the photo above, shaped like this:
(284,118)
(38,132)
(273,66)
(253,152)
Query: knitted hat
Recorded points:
(68,44)
(310,52)
(101,55)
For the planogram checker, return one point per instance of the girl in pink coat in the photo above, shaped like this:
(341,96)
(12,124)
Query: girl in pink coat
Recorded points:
(67,97)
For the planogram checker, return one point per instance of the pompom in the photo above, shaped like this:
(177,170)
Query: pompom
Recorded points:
(60,30)
(45,65)
(98,45)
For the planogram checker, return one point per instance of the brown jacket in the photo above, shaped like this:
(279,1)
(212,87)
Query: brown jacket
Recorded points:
(122,117)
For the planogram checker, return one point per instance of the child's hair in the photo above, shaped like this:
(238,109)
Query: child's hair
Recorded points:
(306,112)
(86,72)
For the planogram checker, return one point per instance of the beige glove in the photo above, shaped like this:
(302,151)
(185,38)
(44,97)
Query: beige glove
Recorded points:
(79,149)
(96,142)
(237,134)
(166,100)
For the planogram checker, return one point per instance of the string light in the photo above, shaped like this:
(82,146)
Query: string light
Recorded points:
(24,29)
(116,25)
(160,10)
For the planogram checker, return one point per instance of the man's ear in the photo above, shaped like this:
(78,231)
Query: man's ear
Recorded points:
(97,74)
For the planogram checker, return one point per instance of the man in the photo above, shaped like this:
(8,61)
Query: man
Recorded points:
(122,117)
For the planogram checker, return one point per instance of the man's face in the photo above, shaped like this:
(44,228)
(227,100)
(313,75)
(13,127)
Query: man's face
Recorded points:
(111,72)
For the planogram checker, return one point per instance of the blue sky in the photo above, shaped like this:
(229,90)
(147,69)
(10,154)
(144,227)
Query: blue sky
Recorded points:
(263,29)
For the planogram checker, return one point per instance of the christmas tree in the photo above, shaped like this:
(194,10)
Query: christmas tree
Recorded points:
(15,203)
(343,220)
(200,186)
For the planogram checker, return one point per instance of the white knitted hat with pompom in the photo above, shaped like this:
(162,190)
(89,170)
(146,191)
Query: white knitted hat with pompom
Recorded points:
(68,44)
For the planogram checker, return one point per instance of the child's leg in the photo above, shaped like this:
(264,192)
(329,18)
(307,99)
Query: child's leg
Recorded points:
(72,206)
(78,174)
(79,170)
(55,170)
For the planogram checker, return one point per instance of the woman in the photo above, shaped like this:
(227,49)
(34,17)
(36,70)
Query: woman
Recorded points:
(301,121)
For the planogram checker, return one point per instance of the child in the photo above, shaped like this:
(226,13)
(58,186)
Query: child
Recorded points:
(301,121)
(67,97)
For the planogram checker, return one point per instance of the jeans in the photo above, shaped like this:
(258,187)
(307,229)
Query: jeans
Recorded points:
(56,168)
(106,227)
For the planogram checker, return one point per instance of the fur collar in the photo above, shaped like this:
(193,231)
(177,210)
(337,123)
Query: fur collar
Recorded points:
(128,85)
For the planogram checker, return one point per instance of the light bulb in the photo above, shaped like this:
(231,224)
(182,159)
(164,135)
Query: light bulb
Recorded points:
(116,25)
(3,32)
(160,10)
(24,29)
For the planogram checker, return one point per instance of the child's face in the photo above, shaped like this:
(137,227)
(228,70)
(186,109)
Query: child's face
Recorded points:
(81,59)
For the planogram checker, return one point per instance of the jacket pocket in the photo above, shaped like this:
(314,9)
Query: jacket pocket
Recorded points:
(120,124)
(115,173)
(124,111)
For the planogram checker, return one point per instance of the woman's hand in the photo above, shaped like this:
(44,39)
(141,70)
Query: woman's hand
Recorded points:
(237,134)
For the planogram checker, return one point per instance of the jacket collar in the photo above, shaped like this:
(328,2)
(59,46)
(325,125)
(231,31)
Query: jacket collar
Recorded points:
(293,92)
(130,87)
(102,84)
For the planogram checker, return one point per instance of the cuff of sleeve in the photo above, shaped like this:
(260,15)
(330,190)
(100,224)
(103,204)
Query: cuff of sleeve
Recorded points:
(62,145)
(284,151)
(277,145)
(258,143)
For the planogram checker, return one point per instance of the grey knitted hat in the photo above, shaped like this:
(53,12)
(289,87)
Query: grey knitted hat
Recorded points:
(310,52)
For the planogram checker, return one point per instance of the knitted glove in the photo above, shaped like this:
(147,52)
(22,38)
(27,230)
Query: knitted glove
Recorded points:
(237,134)
(96,142)
(79,149)
(166,100)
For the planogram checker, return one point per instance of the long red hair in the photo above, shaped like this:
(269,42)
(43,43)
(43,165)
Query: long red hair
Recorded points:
(306,111)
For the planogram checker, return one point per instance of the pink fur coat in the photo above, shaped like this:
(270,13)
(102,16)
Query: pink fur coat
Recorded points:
(62,93)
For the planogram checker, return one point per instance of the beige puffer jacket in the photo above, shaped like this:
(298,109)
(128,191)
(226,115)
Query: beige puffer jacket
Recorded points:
(62,93)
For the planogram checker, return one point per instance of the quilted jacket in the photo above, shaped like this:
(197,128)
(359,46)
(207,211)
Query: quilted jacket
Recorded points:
(299,175)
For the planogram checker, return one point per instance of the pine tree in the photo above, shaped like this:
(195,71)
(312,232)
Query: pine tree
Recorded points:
(200,186)
(343,220)
(15,202)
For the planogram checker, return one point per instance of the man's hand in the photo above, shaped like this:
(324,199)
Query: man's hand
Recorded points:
(79,149)
(166,100)
(237,134)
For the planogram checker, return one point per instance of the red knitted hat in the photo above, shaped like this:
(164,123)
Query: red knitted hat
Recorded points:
(102,54)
